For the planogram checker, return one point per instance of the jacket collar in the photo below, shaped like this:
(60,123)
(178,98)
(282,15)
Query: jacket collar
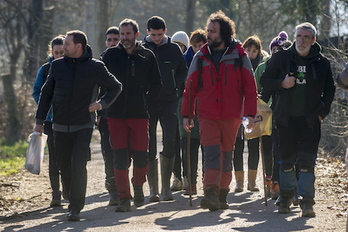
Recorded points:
(87,54)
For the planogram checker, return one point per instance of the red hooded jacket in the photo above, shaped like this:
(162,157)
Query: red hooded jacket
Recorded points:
(231,93)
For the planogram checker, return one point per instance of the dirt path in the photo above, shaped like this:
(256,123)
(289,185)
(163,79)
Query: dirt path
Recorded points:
(24,207)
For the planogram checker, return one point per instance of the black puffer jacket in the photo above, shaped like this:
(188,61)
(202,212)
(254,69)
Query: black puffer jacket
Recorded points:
(72,85)
(320,88)
(172,65)
(141,79)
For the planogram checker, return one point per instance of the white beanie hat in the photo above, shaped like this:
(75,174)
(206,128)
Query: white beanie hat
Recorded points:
(182,37)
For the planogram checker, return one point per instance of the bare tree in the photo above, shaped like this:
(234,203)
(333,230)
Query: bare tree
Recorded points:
(102,24)
(190,15)
(12,21)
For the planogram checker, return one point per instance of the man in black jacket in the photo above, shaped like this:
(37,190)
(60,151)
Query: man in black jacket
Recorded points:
(72,89)
(137,69)
(302,80)
(112,38)
(173,71)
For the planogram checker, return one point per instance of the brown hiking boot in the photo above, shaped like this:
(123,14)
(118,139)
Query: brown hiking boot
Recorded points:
(138,196)
(223,198)
(284,205)
(307,208)
(274,190)
(211,199)
(123,206)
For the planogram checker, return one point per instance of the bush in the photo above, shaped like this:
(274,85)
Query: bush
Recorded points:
(12,158)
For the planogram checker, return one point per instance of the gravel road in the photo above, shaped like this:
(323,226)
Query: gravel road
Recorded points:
(247,210)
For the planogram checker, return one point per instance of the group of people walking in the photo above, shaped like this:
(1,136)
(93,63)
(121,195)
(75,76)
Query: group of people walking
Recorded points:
(203,89)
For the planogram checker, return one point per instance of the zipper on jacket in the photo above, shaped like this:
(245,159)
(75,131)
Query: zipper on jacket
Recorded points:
(225,74)
(71,91)
(125,89)
(211,76)
(133,68)
(314,72)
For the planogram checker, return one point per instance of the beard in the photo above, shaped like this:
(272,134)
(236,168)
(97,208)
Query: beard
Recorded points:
(127,43)
(214,43)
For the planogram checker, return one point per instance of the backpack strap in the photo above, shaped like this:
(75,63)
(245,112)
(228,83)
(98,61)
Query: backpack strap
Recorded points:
(239,61)
(200,71)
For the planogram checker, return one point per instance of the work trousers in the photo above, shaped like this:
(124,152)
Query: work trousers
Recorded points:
(129,140)
(298,143)
(108,155)
(73,152)
(166,114)
(218,138)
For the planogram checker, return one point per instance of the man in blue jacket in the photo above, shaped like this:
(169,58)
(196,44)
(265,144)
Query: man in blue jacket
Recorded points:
(302,79)
(72,90)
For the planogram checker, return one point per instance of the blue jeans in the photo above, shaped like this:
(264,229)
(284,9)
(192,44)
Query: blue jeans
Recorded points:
(298,143)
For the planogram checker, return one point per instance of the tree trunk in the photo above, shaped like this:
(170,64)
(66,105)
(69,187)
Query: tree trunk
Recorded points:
(35,36)
(102,25)
(190,15)
(325,21)
(14,126)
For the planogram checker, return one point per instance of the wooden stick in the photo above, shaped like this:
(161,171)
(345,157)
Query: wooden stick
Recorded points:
(263,170)
(188,147)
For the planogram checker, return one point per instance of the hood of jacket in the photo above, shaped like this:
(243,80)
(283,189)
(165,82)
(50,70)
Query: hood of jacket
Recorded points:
(234,50)
(87,55)
(165,40)
(138,47)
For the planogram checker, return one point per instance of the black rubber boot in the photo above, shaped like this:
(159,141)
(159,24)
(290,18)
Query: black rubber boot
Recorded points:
(113,198)
(152,177)
(167,165)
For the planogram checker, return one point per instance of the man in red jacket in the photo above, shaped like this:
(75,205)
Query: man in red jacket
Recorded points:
(221,78)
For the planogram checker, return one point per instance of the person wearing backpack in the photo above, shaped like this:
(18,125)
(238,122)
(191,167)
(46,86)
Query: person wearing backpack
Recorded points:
(221,78)
(301,76)
(55,51)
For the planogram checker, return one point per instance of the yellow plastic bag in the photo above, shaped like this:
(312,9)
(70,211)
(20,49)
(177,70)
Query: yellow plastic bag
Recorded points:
(263,121)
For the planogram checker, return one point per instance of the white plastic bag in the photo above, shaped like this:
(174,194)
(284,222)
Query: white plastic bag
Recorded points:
(35,152)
